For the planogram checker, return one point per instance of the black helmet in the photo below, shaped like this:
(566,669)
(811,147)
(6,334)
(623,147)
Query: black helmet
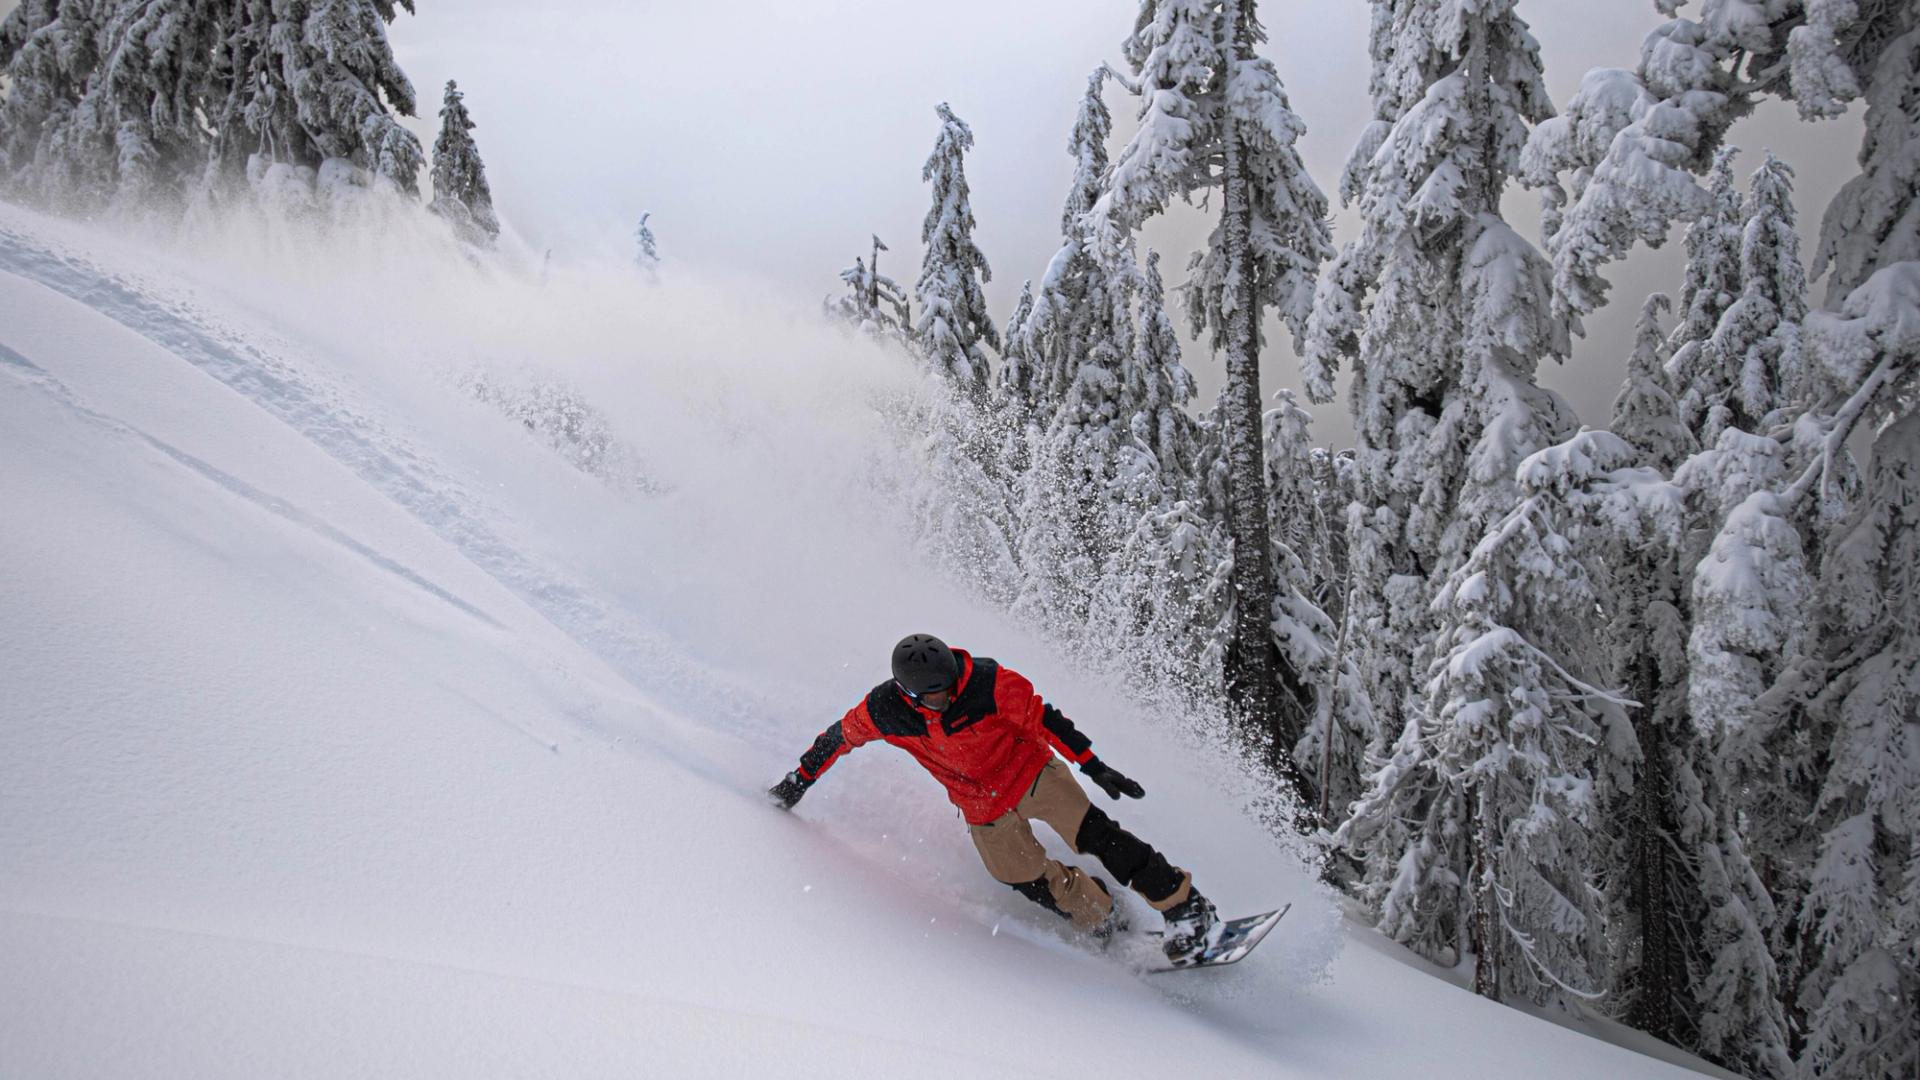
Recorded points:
(922,664)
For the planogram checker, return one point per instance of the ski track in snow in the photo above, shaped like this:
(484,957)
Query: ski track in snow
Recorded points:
(271,503)
(389,464)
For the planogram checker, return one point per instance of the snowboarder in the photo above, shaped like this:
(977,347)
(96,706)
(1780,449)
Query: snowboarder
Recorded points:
(980,729)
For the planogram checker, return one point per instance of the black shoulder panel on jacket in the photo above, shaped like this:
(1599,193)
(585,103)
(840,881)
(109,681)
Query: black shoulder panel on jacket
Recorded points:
(976,701)
(891,714)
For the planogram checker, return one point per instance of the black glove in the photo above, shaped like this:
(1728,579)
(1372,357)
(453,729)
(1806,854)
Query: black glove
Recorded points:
(788,790)
(1111,780)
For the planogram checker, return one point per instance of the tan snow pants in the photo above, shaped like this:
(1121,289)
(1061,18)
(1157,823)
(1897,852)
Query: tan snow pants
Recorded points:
(1014,856)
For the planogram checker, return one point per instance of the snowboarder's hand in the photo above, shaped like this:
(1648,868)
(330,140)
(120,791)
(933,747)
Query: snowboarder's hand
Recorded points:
(1111,780)
(789,789)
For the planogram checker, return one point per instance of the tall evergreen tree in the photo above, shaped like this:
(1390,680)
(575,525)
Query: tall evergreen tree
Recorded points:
(955,330)
(1859,907)
(1711,282)
(1157,388)
(967,513)
(1160,606)
(1016,379)
(1656,910)
(1861,915)
(1299,521)
(1444,314)
(1759,333)
(1857,915)
(1080,304)
(1085,485)
(1748,595)
(1214,115)
(460,191)
(1536,743)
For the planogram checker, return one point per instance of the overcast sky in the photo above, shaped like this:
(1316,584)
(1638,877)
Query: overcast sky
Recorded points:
(773,136)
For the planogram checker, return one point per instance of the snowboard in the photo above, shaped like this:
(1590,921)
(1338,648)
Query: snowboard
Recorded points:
(1237,938)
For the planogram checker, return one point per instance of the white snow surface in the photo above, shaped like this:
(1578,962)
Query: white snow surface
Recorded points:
(345,729)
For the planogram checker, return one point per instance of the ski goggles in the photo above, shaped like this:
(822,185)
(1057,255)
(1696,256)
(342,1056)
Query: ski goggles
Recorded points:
(915,698)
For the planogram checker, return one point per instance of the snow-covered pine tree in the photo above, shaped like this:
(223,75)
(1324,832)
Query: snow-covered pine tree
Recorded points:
(1647,413)
(1079,295)
(1156,389)
(1161,623)
(1750,610)
(1860,905)
(1214,115)
(316,80)
(1874,221)
(1303,524)
(874,303)
(1443,313)
(1857,918)
(1710,284)
(1630,139)
(646,249)
(955,330)
(1087,481)
(136,138)
(1534,742)
(967,513)
(1019,421)
(1688,917)
(1071,512)
(1759,334)
(1860,368)
(1015,379)
(460,191)
(49,54)
(1656,910)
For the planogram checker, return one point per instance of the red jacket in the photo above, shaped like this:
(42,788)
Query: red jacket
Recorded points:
(987,747)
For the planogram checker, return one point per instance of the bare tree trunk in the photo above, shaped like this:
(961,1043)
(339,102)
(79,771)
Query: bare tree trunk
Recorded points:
(1661,977)
(1483,923)
(1250,675)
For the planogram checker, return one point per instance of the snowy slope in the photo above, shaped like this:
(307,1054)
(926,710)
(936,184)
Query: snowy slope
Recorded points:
(346,730)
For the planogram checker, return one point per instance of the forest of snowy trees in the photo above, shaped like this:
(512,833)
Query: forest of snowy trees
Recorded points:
(1622,712)
(1625,714)
(181,108)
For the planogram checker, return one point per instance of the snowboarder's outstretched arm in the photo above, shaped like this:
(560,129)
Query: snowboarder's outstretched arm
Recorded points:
(1077,748)
(851,730)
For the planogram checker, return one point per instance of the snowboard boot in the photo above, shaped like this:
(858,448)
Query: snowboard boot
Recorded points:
(1192,925)
(1116,921)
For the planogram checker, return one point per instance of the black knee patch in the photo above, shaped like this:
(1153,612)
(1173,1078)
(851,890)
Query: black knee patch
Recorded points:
(1133,862)
(1037,891)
